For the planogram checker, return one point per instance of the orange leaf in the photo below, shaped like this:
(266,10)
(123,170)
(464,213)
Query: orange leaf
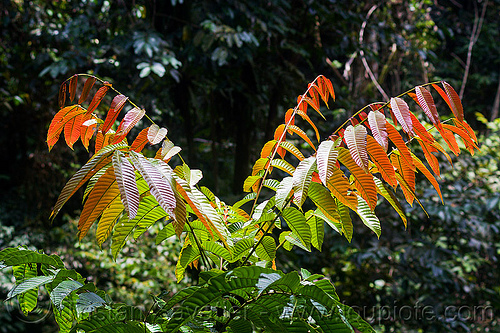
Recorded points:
(339,186)
(116,106)
(267,149)
(86,89)
(306,118)
(362,181)
(396,138)
(377,122)
(421,167)
(450,140)
(420,129)
(140,141)
(289,113)
(329,87)
(129,121)
(96,100)
(466,127)
(73,82)
(408,175)
(72,130)
(355,138)
(431,159)
(379,157)
(302,134)
(57,124)
(454,99)
(402,112)
(469,143)
(103,194)
(87,130)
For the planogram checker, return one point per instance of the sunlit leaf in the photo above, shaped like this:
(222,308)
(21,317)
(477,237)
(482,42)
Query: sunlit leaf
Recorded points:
(104,192)
(96,100)
(368,216)
(125,179)
(129,121)
(421,167)
(156,134)
(297,223)
(355,138)
(377,121)
(427,104)
(402,113)
(326,158)
(302,179)
(380,159)
(116,106)
(362,181)
(96,163)
(454,101)
(140,141)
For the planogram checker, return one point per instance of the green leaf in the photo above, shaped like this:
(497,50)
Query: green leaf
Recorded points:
(88,302)
(218,250)
(266,249)
(302,179)
(297,223)
(345,219)
(61,291)
(391,198)
(283,165)
(368,217)
(148,213)
(317,227)
(17,256)
(326,158)
(29,284)
(283,192)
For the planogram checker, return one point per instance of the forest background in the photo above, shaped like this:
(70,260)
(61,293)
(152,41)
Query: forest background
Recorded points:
(220,75)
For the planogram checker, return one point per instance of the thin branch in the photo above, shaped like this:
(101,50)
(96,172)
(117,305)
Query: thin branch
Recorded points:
(476,30)
(362,54)
(496,104)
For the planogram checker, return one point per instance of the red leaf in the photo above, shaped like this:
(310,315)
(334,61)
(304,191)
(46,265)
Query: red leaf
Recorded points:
(96,100)
(129,121)
(62,94)
(86,89)
(396,138)
(73,82)
(140,141)
(426,102)
(72,130)
(420,129)
(87,131)
(402,112)
(57,124)
(116,106)
(455,103)
(380,159)
(362,181)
